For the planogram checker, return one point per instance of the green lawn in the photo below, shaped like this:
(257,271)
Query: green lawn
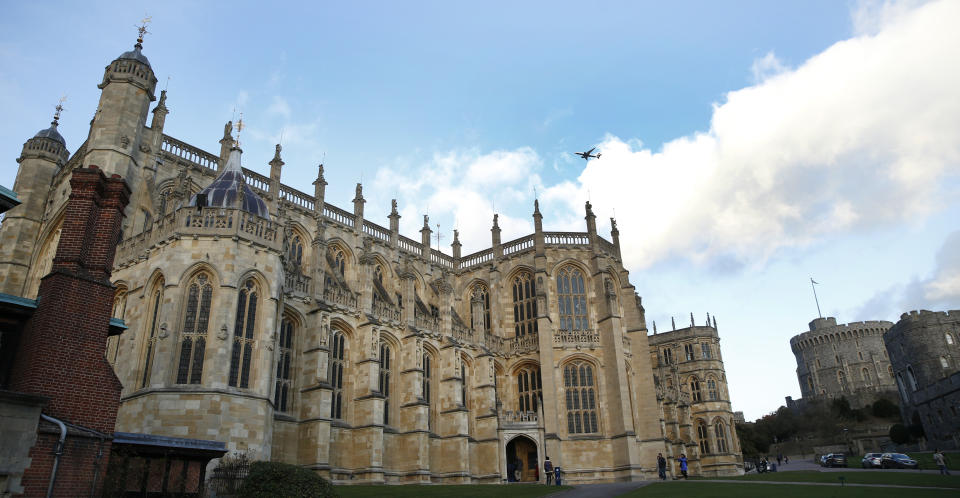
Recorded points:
(458,490)
(737,490)
(857,477)
(926,460)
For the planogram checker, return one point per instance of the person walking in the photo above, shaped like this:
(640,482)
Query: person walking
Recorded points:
(548,470)
(683,465)
(939,460)
(661,467)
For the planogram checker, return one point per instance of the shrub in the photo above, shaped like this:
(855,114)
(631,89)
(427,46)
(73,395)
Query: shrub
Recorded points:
(281,480)
(884,408)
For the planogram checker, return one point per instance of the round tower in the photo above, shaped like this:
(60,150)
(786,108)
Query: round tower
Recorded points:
(39,160)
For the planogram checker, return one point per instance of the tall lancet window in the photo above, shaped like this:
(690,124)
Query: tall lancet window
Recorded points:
(385,358)
(193,341)
(571,299)
(524,305)
(296,251)
(721,433)
(153,331)
(528,386)
(244,331)
(581,400)
(480,308)
(703,436)
(283,394)
(337,362)
(428,388)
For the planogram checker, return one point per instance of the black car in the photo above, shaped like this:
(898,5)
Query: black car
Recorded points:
(897,461)
(871,461)
(834,460)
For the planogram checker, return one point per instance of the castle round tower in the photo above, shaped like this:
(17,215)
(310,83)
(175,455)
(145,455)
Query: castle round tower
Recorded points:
(847,360)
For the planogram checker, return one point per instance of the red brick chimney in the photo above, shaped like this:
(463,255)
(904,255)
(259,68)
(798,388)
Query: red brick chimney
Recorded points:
(61,353)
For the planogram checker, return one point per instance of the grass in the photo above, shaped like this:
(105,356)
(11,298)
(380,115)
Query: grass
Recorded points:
(924,459)
(456,490)
(737,490)
(856,477)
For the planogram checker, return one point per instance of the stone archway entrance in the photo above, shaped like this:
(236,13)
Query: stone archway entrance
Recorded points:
(522,453)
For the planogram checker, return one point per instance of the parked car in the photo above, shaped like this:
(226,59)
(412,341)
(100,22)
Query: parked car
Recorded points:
(834,460)
(897,461)
(871,461)
(823,460)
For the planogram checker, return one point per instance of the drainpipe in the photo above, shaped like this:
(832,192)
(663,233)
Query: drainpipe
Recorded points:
(57,451)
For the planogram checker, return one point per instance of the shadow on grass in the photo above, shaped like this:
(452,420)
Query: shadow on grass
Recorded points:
(455,490)
(744,490)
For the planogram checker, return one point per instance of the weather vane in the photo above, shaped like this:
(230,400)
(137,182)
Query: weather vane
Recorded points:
(59,108)
(439,236)
(142,28)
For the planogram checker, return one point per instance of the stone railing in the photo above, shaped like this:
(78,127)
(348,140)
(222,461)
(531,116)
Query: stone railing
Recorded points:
(518,418)
(566,238)
(375,230)
(576,339)
(426,322)
(463,334)
(409,245)
(441,258)
(477,258)
(296,282)
(385,311)
(524,344)
(338,215)
(256,181)
(201,222)
(296,197)
(336,295)
(519,245)
(190,153)
(493,343)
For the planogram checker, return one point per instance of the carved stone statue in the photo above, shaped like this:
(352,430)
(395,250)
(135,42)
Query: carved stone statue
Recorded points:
(228,129)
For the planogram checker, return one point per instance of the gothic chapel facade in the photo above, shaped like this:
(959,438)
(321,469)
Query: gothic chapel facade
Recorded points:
(263,317)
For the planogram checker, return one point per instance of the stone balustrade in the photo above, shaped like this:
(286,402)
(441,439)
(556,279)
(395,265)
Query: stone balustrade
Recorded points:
(386,311)
(576,339)
(513,419)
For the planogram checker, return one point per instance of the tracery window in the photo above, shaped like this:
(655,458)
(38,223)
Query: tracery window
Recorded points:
(688,351)
(284,355)
(703,436)
(705,350)
(695,389)
(156,301)
(580,398)
(296,250)
(712,389)
(244,329)
(721,432)
(193,342)
(463,383)
(428,388)
(339,259)
(337,362)
(384,380)
(524,305)
(667,356)
(571,299)
(480,308)
(528,386)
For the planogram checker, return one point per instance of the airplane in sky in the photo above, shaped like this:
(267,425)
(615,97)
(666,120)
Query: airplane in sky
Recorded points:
(587,155)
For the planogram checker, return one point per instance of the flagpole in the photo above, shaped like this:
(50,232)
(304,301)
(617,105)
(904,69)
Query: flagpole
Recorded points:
(815,296)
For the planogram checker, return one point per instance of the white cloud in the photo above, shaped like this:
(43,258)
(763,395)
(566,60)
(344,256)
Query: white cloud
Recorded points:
(944,285)
(766,67)
(279,107)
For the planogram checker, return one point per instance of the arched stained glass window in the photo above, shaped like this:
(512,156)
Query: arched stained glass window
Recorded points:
(704,437)
(571,299)
(712,389)
(153,330)
(580,396)
(721,434)
(337,363)
(428,389)
(296,250)
(524,305)
(283,394)
(244,333)
(695,389)
(384,384)
(193,341)
(528,387)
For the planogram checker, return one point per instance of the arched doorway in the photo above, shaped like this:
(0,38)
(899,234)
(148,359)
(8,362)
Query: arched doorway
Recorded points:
(522,454)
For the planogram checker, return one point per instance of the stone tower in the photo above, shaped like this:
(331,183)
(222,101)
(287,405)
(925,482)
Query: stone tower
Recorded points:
(40,159)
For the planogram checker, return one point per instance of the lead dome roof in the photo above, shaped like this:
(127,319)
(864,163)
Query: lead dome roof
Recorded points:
(230,187)
(52,134)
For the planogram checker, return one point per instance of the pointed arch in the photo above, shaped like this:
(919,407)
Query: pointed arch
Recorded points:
(581,393)
(524,298)
(478,295)
(42,261)
(199,295)
(340,335)
(572,297)
(245,331)
(291,323)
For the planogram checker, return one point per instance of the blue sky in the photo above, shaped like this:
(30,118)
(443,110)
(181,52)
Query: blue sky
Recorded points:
(747,145)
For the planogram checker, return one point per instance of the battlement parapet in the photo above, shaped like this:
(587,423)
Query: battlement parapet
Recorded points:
(825,330)
(932,317)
